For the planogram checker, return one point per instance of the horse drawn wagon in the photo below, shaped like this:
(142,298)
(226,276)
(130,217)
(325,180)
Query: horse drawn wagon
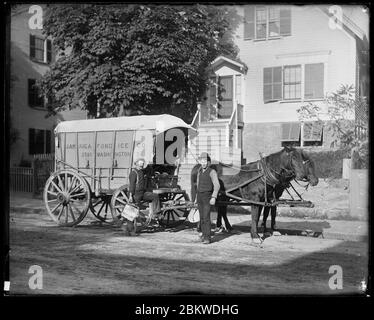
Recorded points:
(93,160)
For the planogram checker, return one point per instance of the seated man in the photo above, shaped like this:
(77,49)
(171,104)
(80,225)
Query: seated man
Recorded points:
(137,188)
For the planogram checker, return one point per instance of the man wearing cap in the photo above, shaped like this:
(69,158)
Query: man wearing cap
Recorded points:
(207,191)
(137,190)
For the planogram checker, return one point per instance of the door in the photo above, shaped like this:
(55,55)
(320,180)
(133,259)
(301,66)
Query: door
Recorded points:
(225,97)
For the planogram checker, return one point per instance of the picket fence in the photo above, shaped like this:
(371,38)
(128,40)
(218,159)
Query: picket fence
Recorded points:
(26,179)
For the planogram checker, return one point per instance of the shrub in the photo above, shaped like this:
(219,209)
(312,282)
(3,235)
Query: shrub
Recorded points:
(329,164)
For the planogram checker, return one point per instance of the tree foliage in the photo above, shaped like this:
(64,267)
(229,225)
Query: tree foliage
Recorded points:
(138,58)
(347,119)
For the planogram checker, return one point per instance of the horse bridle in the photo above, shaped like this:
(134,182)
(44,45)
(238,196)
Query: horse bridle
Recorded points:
(304,162)
(290,172)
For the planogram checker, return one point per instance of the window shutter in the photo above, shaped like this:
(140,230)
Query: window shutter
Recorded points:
(39,141)
(31,91)
(32,46)
(272,84)
(314,80)
(295,132)
(268,77)
(31,141)
(49,51)
(285,21)
(249,22)
(312,131)
(48,141)
(286,128)
(290,131)
(277,83)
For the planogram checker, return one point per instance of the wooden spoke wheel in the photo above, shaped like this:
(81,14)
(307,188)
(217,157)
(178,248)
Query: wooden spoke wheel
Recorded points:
(118,201)
(101,208)
(67,197)
(174,209)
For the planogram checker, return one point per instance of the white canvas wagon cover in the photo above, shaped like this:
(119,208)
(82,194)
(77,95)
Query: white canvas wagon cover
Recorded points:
(160,123)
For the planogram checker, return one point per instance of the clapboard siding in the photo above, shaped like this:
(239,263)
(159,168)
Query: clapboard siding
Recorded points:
(23,68)
(311,41)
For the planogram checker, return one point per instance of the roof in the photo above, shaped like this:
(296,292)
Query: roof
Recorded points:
(348,23)
(241,65)
(222,59)
(160,123)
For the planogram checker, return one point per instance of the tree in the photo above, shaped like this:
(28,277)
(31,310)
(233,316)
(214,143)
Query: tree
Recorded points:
(346,117)
(143,59)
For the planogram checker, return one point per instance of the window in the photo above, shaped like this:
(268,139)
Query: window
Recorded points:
(312,134)
(225,90)
(314,75)
(261,22)
(284,83)
(225,96)
(290,135)
(40,49)
(35,101)
(272,84)
(292,82)
(39,141)
(274,22)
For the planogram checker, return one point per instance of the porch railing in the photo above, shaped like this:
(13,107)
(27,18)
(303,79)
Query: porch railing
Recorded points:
(232,132)
(44,156)
(205,113)
(197,117)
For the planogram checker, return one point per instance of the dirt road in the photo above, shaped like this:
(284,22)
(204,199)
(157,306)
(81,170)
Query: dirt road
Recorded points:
(92,259)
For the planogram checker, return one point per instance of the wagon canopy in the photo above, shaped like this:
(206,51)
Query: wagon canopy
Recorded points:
(159,123)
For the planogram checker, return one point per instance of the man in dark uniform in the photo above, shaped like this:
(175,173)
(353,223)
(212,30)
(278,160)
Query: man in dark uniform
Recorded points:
(207,191)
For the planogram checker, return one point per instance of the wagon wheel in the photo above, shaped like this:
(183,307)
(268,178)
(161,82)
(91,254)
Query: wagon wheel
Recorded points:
(67,197)
(101,208)
(118,201)
(172,217)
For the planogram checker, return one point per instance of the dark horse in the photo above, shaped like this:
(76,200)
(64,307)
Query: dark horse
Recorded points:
(277,169)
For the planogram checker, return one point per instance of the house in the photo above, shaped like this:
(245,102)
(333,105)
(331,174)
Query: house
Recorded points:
(30,56)
(288,56)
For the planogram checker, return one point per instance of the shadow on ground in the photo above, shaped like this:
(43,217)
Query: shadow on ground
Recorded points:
(302,228)
(294,228)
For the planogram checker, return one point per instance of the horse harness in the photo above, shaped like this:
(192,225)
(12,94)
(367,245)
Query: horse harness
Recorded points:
(270,177)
